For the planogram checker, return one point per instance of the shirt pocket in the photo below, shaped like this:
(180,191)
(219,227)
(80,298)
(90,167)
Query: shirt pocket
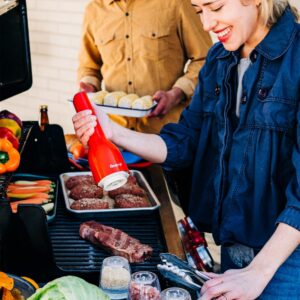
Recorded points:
(109,46)
(155,42)
(275,110)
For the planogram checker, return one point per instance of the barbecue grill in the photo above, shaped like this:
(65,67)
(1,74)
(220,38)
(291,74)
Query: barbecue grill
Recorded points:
(32,247)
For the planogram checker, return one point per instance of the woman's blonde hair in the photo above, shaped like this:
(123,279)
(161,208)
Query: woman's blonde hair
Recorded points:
(271,10)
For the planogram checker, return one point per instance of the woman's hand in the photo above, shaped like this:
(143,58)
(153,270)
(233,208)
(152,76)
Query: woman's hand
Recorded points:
(84,123)
(243,284)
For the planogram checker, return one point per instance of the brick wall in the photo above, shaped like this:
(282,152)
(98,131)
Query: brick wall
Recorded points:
(55,27)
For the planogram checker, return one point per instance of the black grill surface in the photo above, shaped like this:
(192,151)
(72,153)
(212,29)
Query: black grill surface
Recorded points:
(73,254)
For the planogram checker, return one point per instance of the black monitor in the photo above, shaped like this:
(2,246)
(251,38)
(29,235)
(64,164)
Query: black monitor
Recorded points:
(15,63)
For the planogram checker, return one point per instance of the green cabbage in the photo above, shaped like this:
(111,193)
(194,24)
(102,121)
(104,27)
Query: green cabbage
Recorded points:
(69,288)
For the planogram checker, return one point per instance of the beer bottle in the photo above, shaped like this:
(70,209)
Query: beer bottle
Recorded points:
(43,116)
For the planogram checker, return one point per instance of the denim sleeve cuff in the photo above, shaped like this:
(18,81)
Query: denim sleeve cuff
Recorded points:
(92,80)
(172,153)
(290,216)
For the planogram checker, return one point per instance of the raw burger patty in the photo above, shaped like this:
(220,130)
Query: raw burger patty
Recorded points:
(90,203)
(86,191)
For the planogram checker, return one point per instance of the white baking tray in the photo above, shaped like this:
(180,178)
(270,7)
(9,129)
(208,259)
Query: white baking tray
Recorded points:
(127,112)
(155,204)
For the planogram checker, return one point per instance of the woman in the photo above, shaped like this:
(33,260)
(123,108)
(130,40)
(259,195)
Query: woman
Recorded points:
(241,133)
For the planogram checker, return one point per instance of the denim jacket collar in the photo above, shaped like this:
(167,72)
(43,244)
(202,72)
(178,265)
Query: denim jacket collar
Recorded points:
(276,43)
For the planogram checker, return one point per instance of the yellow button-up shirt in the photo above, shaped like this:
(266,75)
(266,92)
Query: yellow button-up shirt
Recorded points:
(142,46)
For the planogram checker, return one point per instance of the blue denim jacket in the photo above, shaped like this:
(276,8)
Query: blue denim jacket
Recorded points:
(246,171)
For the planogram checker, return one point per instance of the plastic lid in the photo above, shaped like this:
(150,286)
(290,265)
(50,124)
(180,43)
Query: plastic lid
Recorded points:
(114,180)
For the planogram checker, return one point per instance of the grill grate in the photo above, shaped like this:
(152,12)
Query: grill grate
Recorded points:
(72,254)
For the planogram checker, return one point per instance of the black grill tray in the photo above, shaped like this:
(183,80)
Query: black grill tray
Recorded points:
(46,251)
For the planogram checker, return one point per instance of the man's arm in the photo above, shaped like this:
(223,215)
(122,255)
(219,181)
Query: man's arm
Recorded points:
(89,57)
(196,43)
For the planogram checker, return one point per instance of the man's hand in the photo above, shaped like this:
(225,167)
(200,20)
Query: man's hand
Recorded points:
(166,101)
(87,87)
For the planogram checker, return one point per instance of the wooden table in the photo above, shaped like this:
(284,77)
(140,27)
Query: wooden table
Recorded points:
(160,188)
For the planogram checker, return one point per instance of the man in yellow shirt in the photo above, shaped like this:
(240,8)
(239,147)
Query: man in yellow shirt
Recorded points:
(142,47)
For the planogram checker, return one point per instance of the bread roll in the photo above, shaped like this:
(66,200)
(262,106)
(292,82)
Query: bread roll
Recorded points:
(113,98)
(145,102)
(97,97)
(126,101)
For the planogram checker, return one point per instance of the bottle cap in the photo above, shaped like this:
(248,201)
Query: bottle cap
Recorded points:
(44,107)
(114,180)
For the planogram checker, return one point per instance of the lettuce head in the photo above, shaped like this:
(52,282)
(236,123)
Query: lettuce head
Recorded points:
(69,288)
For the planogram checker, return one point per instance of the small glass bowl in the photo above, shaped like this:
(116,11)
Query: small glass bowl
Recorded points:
(144,285)
(175,293)
(115,277)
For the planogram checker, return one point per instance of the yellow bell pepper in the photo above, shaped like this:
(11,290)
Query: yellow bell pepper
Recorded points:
(12,125)
(9,156)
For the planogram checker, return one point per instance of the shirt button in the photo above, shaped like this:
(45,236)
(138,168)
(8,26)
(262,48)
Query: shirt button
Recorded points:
(127,36)
(244,100)
(262,93)
(254,56)
(130,82)
(127,14)
(217,90)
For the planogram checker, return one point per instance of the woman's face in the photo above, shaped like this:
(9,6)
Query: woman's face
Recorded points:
(234,23)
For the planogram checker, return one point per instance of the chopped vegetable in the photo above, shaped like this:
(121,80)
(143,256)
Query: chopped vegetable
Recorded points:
(14,205)
(6,133)
(48,207)
(44,182)
(29,189)
(12,122)
(6,281)
(11,161)
(32,195)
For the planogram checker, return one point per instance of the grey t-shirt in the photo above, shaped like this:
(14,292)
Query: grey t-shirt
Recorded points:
(242,67)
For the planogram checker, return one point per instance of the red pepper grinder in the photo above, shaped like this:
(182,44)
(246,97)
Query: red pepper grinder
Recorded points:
(106,162)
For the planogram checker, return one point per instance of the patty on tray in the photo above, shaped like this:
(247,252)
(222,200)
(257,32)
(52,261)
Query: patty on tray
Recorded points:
(90,203)
(84,190)
(131,201)
(79,179)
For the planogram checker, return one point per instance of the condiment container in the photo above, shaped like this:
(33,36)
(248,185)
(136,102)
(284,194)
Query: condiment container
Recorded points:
(144,285)
(105,160)
(175,293)
(115,277)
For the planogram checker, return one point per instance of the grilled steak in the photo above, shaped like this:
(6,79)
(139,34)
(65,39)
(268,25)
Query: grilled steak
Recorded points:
(131,201)
(90,203)
(81,191)
(115,241)
(79,179)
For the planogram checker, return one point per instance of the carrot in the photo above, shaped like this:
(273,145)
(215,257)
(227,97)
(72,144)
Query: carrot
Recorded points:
(14,205)
(12,195)
(33,182)
(29,189)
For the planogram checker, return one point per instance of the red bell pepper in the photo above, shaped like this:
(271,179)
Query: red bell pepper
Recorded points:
(7,134)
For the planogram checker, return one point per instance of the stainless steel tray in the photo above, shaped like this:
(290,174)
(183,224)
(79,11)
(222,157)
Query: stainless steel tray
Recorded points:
(155,204)
(124,111)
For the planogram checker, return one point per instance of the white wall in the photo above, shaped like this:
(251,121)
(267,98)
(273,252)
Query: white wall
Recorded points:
(55,27)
